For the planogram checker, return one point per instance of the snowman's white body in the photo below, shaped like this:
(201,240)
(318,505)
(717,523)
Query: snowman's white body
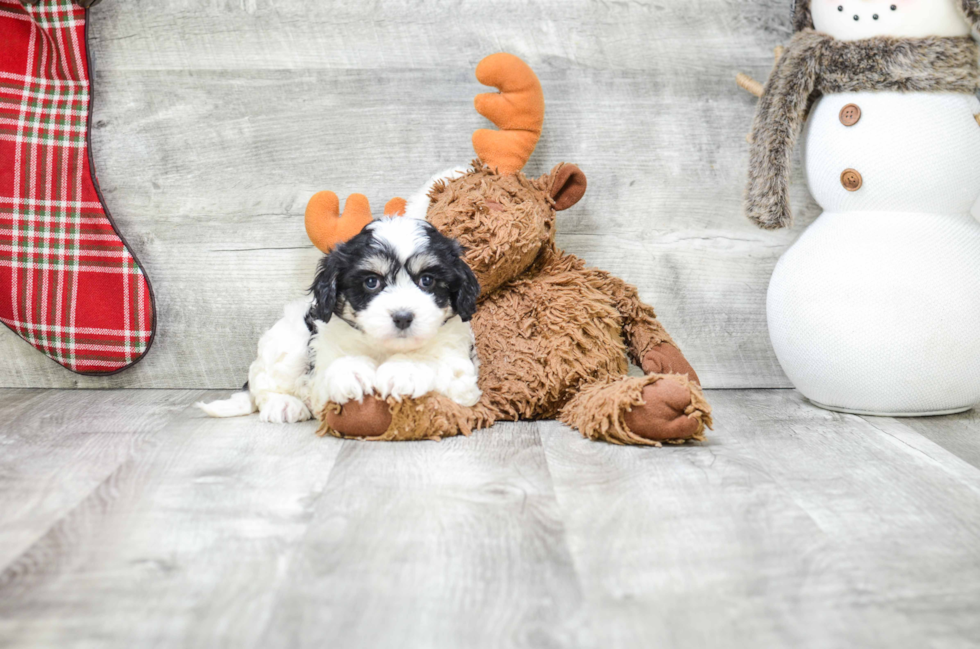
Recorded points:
(876,308)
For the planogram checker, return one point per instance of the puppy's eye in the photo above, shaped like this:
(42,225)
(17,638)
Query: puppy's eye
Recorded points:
(372,283)
(427,281)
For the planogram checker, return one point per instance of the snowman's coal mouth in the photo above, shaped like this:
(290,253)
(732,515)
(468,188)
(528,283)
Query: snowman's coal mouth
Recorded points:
(857,17)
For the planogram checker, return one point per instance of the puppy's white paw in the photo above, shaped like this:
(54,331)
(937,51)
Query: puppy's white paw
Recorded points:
(464,391)
(457,380)
(349,379)
(404,379)
(283,409)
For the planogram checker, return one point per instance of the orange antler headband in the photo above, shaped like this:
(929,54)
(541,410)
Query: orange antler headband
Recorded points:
(325,225)
(517,110)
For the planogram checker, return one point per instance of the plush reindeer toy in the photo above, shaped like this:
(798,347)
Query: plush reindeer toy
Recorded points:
(875,309)
(553,336)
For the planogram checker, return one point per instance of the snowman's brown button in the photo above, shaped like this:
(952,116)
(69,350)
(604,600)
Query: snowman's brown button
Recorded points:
(850,115)
(851,180)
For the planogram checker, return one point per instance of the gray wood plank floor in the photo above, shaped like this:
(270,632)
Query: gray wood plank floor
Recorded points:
(127,519)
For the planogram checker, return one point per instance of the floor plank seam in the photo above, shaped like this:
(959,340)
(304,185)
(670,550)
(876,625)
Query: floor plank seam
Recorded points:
(294,547)
(947,461)
(576,566)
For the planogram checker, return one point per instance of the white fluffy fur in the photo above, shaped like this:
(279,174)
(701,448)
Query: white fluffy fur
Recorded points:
(352,366)
(417,205)
(435,355)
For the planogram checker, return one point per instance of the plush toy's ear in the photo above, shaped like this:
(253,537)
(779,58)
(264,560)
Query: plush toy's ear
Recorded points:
(568,185)
(326,227)
(395,207)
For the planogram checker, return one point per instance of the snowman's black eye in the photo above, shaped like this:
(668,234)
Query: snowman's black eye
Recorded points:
(840,8)
(894,7)
(857,17)
(875,16)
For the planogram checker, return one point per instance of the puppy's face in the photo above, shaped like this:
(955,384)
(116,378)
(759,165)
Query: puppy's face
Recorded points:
(398,282)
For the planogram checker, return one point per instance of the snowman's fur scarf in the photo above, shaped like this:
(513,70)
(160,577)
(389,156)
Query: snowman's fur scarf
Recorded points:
(802,19)
(971,8)
(816,64)
(801,15)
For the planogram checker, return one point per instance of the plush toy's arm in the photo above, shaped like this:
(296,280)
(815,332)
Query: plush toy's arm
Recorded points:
(649,344)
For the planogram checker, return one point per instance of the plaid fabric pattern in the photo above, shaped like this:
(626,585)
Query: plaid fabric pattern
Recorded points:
(68,284)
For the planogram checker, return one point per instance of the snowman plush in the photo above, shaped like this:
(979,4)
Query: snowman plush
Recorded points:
(876,307)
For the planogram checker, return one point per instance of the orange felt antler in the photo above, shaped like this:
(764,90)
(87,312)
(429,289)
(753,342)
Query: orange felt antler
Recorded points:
(324,224)
(518,110)
(395,207)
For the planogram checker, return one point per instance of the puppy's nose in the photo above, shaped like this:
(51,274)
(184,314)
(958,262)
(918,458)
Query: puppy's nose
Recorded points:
(403,319)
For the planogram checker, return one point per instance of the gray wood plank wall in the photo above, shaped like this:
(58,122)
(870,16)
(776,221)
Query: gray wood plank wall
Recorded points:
(215,122)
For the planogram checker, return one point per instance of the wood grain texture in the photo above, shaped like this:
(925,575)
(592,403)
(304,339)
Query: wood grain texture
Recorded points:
(190,537)
(216,121)
(455,544)
(57,447)
(790,526)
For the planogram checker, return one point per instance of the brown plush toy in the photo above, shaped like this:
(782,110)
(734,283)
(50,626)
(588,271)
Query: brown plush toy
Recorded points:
(553,336)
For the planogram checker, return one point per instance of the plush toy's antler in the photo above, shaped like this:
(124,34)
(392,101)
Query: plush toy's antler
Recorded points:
(324,224)
(518,110)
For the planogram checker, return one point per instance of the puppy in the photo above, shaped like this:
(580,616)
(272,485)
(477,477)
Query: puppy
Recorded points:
(387,315)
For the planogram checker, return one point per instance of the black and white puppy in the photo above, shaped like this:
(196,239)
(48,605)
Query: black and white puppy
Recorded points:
(388,315)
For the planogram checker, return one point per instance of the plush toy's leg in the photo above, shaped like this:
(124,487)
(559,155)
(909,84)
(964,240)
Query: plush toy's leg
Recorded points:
(665,358)
(646,410)
(431,417)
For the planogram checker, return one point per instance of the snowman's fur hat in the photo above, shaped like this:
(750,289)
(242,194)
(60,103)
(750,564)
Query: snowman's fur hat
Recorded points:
(802,19)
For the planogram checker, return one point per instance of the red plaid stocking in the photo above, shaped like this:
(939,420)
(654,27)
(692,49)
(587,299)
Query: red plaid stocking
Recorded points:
(69,286)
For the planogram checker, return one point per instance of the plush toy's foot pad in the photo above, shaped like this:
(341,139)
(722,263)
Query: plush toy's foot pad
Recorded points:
(663,414)
(645,411)
(368,418)
(430,417)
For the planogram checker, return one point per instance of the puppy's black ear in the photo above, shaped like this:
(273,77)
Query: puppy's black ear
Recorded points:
(465,288)
(324,288)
